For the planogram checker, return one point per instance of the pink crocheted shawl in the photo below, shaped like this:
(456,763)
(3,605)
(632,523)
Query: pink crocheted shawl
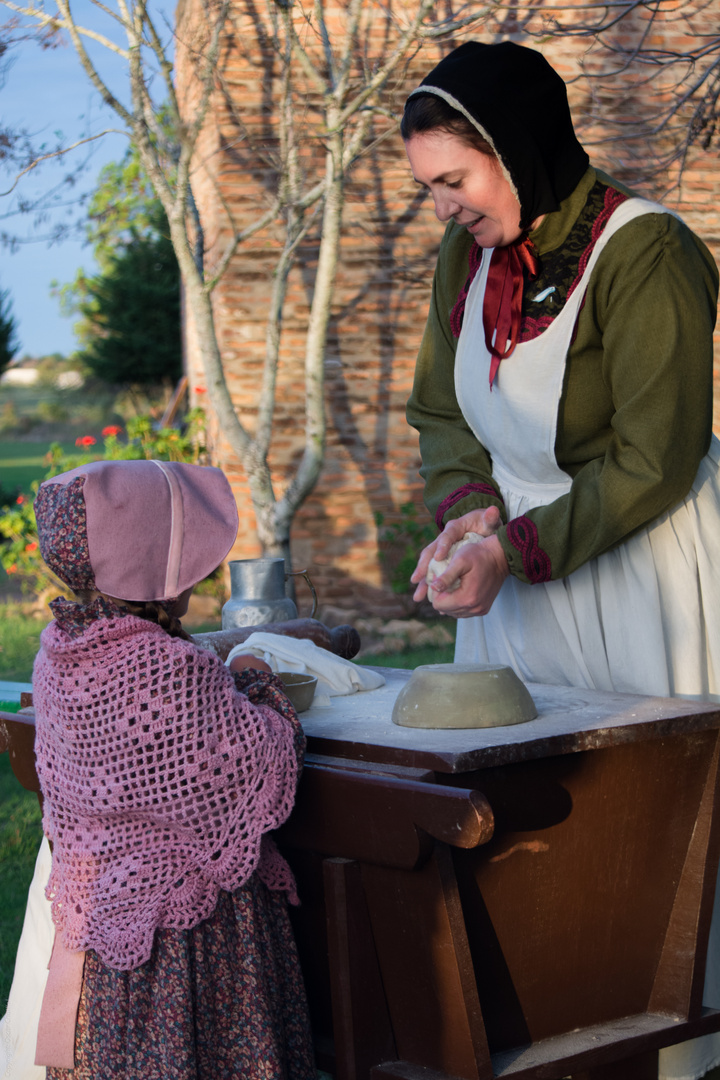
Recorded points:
(160,782)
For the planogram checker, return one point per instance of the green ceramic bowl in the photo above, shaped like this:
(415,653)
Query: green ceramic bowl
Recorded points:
(300,688)
(463,696)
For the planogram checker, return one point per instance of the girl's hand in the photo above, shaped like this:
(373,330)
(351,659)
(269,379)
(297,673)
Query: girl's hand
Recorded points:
(485,522)
(246,660)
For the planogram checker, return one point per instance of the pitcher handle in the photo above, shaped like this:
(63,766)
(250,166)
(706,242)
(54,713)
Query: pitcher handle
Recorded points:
(304,574)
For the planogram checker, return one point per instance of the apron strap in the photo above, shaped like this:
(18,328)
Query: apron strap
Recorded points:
(58,1016)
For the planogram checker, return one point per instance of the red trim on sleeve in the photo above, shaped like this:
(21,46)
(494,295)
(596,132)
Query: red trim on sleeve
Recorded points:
(460,493)
(523,535)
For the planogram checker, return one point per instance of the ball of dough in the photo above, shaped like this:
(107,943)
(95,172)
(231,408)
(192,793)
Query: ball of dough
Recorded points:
(439,566)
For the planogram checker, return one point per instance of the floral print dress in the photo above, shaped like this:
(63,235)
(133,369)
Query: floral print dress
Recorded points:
(222,1000)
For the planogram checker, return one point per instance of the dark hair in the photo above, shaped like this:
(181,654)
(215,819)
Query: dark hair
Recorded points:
(428,112)
(155,611)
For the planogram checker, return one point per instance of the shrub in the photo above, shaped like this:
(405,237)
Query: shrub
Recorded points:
(401,544)
(20,551)
(8,496)
(52,412)
(11,421)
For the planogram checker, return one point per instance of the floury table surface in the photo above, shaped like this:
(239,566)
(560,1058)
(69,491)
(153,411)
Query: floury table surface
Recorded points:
(569,720)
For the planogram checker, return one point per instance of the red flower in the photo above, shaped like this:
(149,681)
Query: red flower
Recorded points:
(20,500)
(111,430)
(32,546)
(200,390)
(85,440)
(12,569)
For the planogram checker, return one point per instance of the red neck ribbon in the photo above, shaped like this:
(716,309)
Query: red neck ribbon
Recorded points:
(502,308)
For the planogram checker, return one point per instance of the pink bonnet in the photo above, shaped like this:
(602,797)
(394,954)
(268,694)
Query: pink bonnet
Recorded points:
(137,530)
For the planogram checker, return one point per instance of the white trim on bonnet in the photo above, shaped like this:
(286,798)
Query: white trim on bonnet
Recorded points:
(459,107)
(172,572)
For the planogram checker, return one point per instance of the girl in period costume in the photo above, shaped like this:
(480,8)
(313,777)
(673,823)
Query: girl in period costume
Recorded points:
(163,773)
(563,396)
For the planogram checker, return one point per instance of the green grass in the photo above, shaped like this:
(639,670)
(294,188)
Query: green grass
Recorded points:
(412,658)
(20,836)
(19,642)
(23,462)
(20,830)
(59,413)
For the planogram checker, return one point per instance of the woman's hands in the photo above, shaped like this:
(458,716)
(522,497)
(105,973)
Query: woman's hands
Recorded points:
(480,568)
(246,660)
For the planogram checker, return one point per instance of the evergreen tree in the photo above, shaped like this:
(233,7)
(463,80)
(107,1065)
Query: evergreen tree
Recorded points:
(8,340)
(130,310)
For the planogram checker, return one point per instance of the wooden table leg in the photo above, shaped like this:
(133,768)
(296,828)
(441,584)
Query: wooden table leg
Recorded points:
(362,1029)
(426,968)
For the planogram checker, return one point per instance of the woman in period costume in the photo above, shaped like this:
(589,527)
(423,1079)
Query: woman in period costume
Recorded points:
(563,396)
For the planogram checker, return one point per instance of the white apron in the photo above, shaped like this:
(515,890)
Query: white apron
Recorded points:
(19,1025)
(642,618)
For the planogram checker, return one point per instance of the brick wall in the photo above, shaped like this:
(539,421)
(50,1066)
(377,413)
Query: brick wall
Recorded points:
(388,249)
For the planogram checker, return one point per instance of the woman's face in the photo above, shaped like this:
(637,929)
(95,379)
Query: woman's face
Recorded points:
(467,186)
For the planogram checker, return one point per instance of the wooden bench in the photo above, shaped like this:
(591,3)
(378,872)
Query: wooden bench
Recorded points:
(17,739)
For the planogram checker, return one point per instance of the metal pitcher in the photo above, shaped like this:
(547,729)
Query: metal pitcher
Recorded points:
(257,593)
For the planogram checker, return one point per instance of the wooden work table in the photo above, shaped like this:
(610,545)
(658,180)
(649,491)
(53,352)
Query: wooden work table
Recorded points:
(569,720)
(530,901)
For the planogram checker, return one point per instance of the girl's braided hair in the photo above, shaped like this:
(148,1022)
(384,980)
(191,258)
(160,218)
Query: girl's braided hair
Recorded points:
(155,611)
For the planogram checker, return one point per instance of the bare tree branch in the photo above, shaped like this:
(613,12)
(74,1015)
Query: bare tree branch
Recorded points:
(41,19)
(58,153)
(327,91)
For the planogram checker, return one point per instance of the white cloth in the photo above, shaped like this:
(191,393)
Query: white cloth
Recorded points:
(642,618)
(18,1027)
(336,677)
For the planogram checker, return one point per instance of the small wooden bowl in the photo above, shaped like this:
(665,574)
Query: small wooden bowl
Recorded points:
(463,696)
(299,687)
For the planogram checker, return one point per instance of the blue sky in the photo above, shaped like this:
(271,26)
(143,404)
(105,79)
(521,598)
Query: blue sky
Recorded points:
(46,91)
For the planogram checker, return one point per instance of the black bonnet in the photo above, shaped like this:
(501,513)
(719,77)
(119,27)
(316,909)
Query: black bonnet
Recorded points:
(519,104)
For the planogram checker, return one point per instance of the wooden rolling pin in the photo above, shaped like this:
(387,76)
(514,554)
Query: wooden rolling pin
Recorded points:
(342,640)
